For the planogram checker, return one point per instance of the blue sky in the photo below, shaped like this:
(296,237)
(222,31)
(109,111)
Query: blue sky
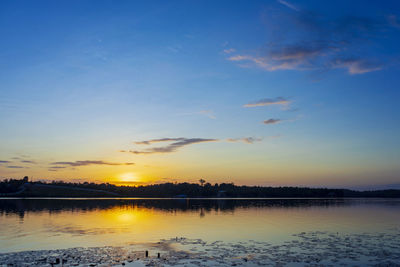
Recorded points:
(82,81)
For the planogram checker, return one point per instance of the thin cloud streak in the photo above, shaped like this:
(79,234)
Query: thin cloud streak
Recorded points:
(28,161)
(229,51)
(89,162)
(289,5)
(149,142)
(247,140)
(268,101)
(56,168)
(272,121)
(208,113)
(176,145)
(357,66)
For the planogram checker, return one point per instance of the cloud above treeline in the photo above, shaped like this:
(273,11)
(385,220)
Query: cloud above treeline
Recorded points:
(280,101)
(14,162)
(176,144)
(28,161)
(15,167)
(304,40)
(272,121)
(56,168)
(247,140)
(89,162)
(152,141)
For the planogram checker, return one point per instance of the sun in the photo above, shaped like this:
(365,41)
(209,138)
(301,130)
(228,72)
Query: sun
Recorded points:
(128,177)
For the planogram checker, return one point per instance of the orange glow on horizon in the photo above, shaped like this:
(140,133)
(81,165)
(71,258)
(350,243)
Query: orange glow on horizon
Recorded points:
(128,177)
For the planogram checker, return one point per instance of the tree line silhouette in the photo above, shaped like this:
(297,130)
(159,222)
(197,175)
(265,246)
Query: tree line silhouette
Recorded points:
(23,188)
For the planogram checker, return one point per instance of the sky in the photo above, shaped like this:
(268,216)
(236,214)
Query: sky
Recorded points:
(271,93)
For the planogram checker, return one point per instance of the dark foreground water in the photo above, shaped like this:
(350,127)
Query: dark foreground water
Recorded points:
(35,224)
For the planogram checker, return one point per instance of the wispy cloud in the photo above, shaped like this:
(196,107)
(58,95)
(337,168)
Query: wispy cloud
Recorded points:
(229,51)
(28,161)
(269,64)
(4,161)
(209,113)
(316,42)
(89,162)
(289,5)
(268,102)
(56,168)
(149,142)
(247,140)
(272,121)
(356,66)
(176,144)
(15,167)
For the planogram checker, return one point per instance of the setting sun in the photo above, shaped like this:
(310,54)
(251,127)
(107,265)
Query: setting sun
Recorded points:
(128,177)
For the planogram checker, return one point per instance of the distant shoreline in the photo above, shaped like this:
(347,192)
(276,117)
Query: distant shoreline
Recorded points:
(25,189)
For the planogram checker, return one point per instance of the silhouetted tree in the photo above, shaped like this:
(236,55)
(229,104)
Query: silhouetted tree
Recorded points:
(86,189)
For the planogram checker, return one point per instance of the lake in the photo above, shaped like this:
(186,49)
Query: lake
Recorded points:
(35,224)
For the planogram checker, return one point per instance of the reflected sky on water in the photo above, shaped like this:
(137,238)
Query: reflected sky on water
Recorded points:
(31,224)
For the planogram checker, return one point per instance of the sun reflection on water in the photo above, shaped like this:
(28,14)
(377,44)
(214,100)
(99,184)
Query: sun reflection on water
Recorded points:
(42,224)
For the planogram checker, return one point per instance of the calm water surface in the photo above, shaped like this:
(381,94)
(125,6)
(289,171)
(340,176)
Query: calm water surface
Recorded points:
(33,224)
